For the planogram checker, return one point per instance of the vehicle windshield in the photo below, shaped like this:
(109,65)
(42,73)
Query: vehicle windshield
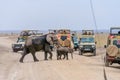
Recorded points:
(117,43)
(21,40)
(87,40)
(75,39)
(115,31)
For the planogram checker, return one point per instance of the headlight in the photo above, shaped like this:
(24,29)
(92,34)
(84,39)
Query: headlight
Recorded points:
(81,46)
(22,45)
(93,46)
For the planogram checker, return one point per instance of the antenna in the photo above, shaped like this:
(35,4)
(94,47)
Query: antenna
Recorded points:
(93,14)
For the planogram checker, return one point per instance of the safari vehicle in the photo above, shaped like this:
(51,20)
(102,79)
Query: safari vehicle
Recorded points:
(19,45)
(52,31)
(87,42)
(25,33)
(113,47)
(64,37)
(75,40)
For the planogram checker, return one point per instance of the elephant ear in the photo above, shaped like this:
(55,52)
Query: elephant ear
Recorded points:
(49,39)
(28,41)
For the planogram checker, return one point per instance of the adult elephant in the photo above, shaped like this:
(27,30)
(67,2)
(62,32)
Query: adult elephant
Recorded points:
(37,43)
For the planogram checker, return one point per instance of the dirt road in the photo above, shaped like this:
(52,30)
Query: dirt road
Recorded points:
(85,67)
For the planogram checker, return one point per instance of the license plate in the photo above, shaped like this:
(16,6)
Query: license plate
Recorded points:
(87,49)
(17,47)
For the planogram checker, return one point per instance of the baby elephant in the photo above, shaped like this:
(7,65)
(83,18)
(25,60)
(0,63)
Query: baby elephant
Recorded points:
(64,51)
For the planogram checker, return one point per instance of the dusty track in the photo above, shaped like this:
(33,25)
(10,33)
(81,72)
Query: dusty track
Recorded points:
(85,67)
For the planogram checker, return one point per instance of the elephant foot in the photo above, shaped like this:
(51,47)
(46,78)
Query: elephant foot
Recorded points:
(50,58)
(45,59)
(21,61)
(63,58)
(36,60)
(67,59)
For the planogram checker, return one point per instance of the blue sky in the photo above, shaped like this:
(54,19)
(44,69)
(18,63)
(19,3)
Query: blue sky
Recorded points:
(55,14)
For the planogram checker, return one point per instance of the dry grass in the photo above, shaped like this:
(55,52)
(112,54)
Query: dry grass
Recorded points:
(12,37)
(101,39)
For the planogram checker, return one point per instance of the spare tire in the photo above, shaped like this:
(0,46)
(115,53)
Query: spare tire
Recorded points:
(112,50)
(67,43)
(60,42)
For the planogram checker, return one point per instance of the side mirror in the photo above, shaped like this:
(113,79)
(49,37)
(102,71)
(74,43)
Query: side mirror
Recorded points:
(105,46)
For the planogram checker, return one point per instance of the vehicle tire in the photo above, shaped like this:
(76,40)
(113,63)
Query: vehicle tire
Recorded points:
(94,53)
(75,48)
(80,52)
(15,50)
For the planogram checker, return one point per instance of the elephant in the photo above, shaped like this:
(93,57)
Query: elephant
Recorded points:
(37,43)
(64,51)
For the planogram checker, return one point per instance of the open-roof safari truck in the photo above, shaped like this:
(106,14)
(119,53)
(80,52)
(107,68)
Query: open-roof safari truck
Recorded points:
(113,47)
(53,31)
(75,39)
(26,33)
(64,37)
(87,42)
(19,44)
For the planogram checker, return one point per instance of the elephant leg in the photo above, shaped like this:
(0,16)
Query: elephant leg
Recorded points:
(23,55)
(45,55)
(47,50)
(67,56)
(34,57)
(64,56)
(21,59)
(60,56)
(32,50)
(50,55)
(72,55)
(57,56)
